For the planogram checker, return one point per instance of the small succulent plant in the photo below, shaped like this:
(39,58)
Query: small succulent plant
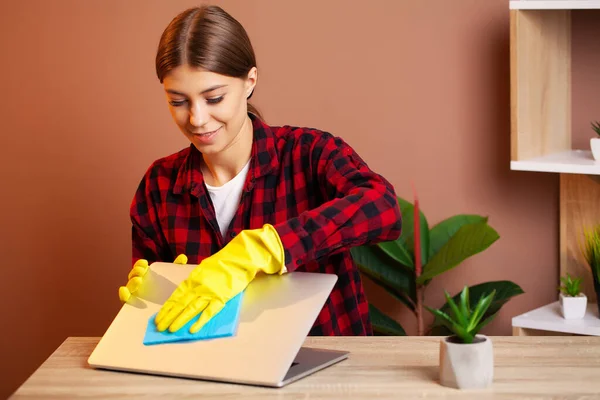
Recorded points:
(596,127)
(570,286)
(591,250)
(465,322)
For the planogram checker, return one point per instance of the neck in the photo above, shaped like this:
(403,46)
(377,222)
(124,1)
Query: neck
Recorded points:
(220,168)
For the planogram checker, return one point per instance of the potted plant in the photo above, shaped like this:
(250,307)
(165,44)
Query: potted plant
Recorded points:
(573,302)
(591,253)
(405,273)
(466,357)
(595,141)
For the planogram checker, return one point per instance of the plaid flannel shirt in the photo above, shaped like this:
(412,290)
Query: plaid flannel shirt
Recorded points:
(320,196)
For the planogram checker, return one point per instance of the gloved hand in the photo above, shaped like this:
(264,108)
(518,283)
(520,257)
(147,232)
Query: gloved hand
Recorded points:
(221,277)
(136,275)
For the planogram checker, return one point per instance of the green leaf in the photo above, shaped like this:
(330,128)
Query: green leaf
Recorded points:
(459,317)
(451,326)
(484,323)
(442,318)
(591,249)
(386,272)
(505,290)
(398,252)
(383,324)
(469,240)
(461,332)
(467,338)
(407,237)
(596,127)
(571,286)
(444,230)
(480,309)
(465,305)
(402,297)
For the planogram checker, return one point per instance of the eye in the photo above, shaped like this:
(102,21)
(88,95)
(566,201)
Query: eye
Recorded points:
(214,100)
(178,103)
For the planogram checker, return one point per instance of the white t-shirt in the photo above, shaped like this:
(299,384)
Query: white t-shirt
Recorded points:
(226,198)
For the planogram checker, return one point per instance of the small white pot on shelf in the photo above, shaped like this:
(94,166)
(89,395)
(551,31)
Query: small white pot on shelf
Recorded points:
(573,307)
(466,365)
(595,147)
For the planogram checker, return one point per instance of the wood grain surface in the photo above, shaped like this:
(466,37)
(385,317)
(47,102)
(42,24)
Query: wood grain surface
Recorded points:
(540,73)
(548,367)
(579,199)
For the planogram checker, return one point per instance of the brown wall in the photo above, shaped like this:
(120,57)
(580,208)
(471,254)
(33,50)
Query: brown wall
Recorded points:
(586,75)
(419,88)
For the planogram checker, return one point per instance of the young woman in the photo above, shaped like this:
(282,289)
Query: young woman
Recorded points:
(245,197)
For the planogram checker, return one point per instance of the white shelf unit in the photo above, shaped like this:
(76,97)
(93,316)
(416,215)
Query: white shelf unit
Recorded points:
(554,4)
(549,318)
(541,128)
(566,162)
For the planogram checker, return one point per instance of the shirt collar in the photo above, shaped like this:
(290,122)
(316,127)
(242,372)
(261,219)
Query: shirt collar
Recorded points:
(264,160)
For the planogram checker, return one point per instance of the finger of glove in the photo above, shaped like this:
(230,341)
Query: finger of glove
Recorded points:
(124,294)
(192,310)
(172,308)
(137,271)
(167,315)
(141,263)
(209,312)
(134,284)
(183,290)
(181,259)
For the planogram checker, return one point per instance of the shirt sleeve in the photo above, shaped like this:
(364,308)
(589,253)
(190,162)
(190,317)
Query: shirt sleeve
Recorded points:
(145,230)
(361,207)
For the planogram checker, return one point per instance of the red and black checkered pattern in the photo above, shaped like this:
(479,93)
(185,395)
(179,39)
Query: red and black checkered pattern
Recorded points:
(310,185)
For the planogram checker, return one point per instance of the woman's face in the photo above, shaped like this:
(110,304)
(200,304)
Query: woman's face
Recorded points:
(210,109)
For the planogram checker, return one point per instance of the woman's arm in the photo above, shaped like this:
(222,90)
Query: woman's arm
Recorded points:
(360,207)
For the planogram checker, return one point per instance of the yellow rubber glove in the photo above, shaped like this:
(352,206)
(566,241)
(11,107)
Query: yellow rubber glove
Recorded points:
(136,275)
(221,277)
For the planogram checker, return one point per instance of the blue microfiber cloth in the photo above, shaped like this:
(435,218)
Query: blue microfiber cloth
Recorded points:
(224,324)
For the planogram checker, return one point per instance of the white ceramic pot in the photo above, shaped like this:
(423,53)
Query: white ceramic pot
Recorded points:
(595,147)
(573,307)
(467,366)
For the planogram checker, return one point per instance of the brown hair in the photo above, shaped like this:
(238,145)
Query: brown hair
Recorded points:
(206,37)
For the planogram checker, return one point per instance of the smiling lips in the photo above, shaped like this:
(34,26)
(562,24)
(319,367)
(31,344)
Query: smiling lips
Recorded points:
(204,134)
(206,137)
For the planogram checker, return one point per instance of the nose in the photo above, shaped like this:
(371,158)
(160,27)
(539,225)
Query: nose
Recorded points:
(198,114)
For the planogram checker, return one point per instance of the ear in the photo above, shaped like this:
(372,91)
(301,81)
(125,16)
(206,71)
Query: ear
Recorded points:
(250,82)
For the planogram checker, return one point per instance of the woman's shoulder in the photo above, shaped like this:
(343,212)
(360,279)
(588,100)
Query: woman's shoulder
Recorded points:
(313,142)
(301,135)
(309,140)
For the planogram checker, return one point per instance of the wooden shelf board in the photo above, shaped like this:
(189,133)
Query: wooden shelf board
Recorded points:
(566,162)
(549,318)
(554,4)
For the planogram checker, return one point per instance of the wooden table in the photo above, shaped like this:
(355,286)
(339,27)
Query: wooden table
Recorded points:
(565,367)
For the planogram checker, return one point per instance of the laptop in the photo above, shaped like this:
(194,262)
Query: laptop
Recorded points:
(276,315)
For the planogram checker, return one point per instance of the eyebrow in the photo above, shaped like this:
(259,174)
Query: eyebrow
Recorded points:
(210,89)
